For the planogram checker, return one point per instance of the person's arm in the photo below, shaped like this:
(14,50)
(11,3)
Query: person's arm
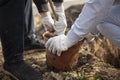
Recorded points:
(60,24)
(93,12)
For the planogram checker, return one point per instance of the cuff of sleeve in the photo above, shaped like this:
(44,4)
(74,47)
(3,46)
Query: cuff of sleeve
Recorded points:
(74,37)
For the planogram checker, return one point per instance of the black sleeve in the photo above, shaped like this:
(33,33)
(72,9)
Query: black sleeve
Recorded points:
(41,5)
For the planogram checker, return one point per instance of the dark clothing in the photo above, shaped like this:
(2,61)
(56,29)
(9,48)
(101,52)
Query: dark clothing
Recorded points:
(29,21)
(16,27)
(30,39)
(42,4)
(12,29)
(22,71)
(13,20)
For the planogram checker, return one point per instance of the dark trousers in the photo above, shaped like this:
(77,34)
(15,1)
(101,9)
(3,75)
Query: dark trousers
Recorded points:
(41,4)
(12,23)
(29,22)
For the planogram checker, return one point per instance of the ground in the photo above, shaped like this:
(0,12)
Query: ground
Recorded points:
(98,58)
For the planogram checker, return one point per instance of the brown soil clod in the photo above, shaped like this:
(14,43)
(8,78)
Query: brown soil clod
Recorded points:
(68,59)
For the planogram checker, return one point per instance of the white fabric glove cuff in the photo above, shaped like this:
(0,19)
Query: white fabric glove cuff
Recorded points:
(61,24)
(73,36)
(59,9)
(65,41)
(59,31)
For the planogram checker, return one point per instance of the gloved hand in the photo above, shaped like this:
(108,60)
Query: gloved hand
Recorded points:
(58,44)
(48,23)
(61,24)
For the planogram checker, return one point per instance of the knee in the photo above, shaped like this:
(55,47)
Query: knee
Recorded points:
(110,31)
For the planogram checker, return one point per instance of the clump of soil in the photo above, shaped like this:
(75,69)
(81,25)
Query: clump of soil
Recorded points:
(98,58)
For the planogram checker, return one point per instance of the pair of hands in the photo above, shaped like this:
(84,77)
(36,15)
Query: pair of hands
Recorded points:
(59,43)
(59,26)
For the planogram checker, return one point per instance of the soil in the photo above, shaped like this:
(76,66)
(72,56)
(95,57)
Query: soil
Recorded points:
(98,58)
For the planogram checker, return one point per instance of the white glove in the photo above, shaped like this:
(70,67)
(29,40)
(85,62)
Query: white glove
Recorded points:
(48,23)
(58,44)
(61,24)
